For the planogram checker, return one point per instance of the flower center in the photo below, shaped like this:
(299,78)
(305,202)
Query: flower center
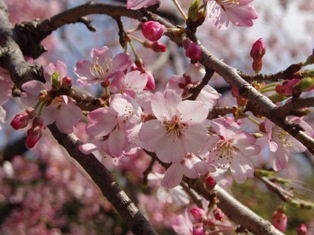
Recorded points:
(101,70)
(283,137)
(228,2)
(224,151)
(175,127)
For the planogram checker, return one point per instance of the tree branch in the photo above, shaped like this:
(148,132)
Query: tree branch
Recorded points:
(137,223)
(235,210)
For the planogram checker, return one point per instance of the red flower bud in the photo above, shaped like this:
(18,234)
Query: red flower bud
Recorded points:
(218,214)
(258,50)
(153,30)
(302,230)
(279,220)
(193,50)
(210,182)
(21,119)
(197,213)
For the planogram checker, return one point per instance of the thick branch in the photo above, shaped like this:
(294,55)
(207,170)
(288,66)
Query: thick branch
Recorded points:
(104,180)
(235,210)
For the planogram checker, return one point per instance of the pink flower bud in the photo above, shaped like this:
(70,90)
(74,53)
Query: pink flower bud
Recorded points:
(159,47)
(302,230)
(197,213)
(258,50)
(210,182)
(198,229)
(286,87)
(67,82)
(21,119)
(279,220)
(218,214)
(150,85)
(193,51)
(34,134)
(153,30)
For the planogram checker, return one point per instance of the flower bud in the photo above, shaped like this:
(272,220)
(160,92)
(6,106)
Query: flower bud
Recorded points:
(279,220)
(286,87)
(210,182)
(153,30)
(150,85)
(159,47)
(302,230)
(218,214)
(34,134)
(21,119)
(197,213)
(198,229)
(67,82)
(258,50)
(192,50)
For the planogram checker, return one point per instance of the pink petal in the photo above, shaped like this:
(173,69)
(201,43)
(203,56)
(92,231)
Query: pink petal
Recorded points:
(82,69)
(241,169)
(88,148)
(192,112)
(151,132)
(101,122)
(164,106)
(173,176)
(195,137)
(116,143)
(170,149)
(68,117)
(49,114)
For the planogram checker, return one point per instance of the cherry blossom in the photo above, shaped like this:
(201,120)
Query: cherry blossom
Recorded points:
(281,144)
(239,12)
(191,166)
(59,109)
(191,78)
(116,128)
(129,84)
(183,225)
(178,128)
(102,67)
(232,148)
(137,4)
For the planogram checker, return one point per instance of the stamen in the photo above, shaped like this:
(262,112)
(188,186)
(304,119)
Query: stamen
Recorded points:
(101,71)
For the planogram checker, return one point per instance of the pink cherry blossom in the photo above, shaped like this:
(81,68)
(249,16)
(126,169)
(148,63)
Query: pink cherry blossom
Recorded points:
(182,225)
(232,148)
(191,166)
(130,83)
(178,128)
(137,4)
(191,78)
(102,67)
(60,109)
(115,129)
(281,144)
(239,12)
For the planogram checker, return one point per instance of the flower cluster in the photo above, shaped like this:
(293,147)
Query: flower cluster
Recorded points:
(46,106)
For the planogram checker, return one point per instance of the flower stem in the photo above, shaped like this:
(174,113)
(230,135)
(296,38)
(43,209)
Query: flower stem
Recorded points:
(180,9)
